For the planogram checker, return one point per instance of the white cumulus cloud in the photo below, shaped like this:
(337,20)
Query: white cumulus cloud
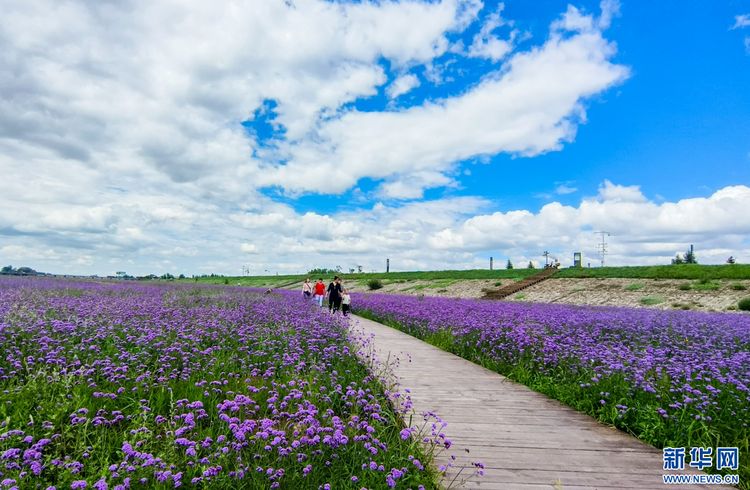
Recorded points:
(487,45)
(530,107)
(402,85)
(741,21)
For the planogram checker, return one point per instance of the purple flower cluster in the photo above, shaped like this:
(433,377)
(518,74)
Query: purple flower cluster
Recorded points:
(124,385)
(671,377)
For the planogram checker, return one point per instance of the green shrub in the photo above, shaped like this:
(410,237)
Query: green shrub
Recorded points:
(635,286)
(498,283)
(685,287)
(651,300)
(226,281)
(374,284)
(738,286)
(744,304)
(706,285)
(520,296)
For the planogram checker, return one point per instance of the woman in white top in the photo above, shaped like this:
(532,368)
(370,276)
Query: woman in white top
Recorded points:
(307,289)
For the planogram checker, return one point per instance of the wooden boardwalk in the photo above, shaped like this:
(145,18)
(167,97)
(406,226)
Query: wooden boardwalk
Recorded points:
(525,439)
(521,285)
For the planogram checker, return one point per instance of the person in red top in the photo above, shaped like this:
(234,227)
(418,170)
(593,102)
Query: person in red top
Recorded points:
(320,292)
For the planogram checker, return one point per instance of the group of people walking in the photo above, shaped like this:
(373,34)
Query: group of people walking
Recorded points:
(338,297)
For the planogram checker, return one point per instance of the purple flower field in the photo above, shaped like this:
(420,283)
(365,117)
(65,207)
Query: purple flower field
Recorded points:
(672,378)
(128,386)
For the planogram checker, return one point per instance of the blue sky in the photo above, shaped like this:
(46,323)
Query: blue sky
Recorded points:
(678,127)
(290,136)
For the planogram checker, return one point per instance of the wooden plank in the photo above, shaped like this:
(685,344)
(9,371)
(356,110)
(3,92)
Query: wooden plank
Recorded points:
(524,439)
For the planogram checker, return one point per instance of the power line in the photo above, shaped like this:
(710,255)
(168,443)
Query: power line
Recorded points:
(602,246)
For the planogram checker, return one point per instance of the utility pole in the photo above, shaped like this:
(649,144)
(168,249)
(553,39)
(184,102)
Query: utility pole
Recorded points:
(602,246)
(546,259)
(387,265)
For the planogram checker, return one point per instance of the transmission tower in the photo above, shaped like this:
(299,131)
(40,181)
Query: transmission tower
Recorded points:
(602,246)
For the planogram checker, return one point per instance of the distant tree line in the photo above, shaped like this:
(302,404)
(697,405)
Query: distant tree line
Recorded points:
(8,270)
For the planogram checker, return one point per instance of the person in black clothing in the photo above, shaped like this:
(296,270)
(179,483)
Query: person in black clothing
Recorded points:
(334,295)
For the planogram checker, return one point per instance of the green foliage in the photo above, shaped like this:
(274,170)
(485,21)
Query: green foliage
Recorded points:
(319,272)
(531,265)
(226,281)
(521,296)
(498,283)
(706,284)
(509,265)
(21,271)
(685,286)
(744,304)
(738,286)
(695,271)
(651,300)
(689,257)
(374,284)
(635,286)
(443,283)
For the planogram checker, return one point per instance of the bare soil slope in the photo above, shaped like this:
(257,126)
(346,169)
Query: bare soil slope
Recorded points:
(645,293)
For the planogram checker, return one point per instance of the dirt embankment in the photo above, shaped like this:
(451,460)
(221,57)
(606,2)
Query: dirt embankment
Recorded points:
(642,293)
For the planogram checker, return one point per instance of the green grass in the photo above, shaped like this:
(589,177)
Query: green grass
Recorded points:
(444,283)
(689,272)
(737,271)
(738,286)
(273,281)
(651,300)
(705,285)
(521,296)
(635,286)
